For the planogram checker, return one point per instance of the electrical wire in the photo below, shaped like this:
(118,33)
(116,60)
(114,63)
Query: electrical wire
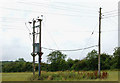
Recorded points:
(29,32)
(114,21)
(30,38)
(110,16)
(3,25)
(27,28)
(13,28)
(110,22)
(92,33)
(72,4)
(110,11)
(51,37)
(44,12)
(64,7)
(71,49)
(110,31)
(18,18)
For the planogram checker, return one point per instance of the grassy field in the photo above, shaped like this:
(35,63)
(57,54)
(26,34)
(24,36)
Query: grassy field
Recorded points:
(19,76)
(25,76)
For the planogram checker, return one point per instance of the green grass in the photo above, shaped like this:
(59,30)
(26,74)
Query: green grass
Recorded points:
(59,76)
(19,76)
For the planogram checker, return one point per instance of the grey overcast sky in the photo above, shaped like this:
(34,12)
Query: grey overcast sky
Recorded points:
(67,24)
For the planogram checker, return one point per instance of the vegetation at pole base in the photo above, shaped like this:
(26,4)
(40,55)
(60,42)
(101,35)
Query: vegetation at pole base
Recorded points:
(57,62)
(70,75)
(54,76)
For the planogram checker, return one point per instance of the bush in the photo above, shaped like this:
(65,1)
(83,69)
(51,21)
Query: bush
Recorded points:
(69,75)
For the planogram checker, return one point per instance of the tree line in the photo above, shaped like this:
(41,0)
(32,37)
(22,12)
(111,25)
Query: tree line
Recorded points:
(56,62)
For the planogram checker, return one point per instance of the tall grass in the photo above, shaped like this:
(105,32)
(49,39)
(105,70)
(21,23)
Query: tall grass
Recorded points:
(59,76)
(69,75)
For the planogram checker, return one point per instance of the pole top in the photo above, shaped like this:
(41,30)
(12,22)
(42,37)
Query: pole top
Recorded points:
(40,19)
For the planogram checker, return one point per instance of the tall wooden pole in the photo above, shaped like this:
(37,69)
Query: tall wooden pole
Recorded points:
(40,53)
(33,47)
(99,43)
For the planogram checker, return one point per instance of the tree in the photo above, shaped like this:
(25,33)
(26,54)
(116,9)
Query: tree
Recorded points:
(116,59)
(56,56)
(20,60)
(92,60)
(80,65)
(70,63)
(57,60)
(92,54)
(105,61)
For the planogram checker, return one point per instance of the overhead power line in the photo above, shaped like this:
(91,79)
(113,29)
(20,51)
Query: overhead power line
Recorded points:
(92,33)
(71,49)
(12,29)
(110,11)
(73,14)
(110,16)
(27,28)
(60,6)
(29,32)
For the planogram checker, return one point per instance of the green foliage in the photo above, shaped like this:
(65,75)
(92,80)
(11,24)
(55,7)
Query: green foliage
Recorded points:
(20,60)
(17,67)
(56,56)
(91,55)
(70,64)
(69,75)
(61,76)
(105,61)
(116,59)
(92,60)
(57,62)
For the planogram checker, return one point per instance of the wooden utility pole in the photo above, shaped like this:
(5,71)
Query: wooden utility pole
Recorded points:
(99,43)
(40,52)
(33,54)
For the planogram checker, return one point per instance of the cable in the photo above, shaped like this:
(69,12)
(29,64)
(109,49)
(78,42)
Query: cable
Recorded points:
(110,31)
(27,28)
(13,18)
(42,12)
(29,32)
(90,36)
(110,11)
(52,38)
(110,16)
(13,28)
(110,22)
(48,44)
(72,4)
(69,49)
(30,38)
(10,21)
(114,21)
(10,25)
(56,6)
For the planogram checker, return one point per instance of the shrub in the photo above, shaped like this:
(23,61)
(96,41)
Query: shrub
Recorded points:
(67,75)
